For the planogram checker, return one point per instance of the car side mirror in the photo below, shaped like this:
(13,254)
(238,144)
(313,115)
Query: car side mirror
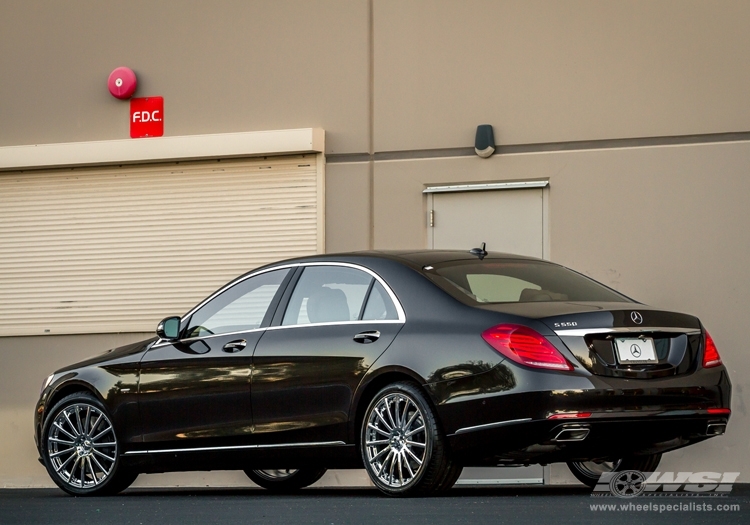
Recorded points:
(169,328)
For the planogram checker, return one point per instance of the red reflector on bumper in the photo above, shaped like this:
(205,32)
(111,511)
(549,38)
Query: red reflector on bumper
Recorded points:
(719,411)
(570,415)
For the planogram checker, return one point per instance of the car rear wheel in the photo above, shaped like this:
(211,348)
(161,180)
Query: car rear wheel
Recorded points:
(285,480)
(403,449)
(589,472)
(80,448)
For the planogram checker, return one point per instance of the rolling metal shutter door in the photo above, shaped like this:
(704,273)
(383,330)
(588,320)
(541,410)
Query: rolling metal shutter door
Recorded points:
(103,250)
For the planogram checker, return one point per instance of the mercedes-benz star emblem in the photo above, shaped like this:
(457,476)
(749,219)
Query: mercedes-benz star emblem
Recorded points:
(636,317)
(635,350)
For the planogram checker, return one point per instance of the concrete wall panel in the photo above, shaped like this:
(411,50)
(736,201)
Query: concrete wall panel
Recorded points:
(347,207)
(549,71)
(222,66)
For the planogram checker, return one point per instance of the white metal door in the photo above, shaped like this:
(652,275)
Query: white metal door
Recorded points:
(511,221)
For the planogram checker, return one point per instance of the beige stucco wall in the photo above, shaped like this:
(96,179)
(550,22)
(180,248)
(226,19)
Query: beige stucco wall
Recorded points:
(347,207)
(548,71)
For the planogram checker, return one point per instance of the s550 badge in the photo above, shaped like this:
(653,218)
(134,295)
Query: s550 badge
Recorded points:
(566,324)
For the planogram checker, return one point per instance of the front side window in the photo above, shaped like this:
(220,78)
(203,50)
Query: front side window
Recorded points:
(239,308)
(518,281)
(332,294)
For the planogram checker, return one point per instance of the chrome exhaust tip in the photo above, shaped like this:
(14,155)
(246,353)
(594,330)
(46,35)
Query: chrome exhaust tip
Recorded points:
(571,434)
(716,429)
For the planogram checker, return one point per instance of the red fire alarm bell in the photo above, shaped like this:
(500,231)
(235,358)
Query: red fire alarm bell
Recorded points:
(122,83)
(146,117)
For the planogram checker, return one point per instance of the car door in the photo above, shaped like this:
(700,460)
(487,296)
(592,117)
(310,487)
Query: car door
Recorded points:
(196,391)
(334,324)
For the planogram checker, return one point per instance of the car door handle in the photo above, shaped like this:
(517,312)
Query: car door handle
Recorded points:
(235,346)
(369,336)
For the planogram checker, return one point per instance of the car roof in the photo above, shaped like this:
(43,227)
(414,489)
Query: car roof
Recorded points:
(413,258)
(422,257)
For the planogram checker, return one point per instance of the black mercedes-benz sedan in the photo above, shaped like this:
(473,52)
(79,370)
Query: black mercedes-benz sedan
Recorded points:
(410,364)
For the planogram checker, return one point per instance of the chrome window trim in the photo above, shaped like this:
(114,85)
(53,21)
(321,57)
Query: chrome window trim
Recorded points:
(488,426)
(582,332)
(162,342)
(211,336)
(397,304)
(336,323)
(237,447)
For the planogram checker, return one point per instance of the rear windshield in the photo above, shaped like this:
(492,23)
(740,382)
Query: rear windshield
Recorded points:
(512,281)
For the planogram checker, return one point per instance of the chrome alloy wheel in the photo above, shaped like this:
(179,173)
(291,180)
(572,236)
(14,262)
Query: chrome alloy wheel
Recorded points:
(82,446)
(395,440)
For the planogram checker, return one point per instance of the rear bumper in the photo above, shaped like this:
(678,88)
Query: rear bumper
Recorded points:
(598,437)
(622,416)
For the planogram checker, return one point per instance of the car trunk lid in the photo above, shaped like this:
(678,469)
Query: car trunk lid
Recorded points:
(626,340)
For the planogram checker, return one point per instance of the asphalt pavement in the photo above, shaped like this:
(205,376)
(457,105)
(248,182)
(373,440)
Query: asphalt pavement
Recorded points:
(363,506)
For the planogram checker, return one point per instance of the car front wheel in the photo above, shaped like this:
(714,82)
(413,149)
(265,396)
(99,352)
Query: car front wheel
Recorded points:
(403,449)
(80,448)
(589,472)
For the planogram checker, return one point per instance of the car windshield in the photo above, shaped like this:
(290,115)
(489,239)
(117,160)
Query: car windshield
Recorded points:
(518,281)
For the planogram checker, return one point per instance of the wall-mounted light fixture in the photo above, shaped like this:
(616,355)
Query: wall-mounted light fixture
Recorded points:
(484,144)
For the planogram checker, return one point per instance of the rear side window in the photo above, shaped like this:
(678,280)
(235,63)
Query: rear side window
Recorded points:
(335,294)
(327,294)
(512,281)
(379,305)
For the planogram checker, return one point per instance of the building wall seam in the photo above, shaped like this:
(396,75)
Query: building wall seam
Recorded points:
(576,145)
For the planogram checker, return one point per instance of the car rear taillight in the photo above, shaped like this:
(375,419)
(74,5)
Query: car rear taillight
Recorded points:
(711,355)
(525,346)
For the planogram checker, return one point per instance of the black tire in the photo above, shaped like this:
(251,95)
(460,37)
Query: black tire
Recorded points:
(451,476)
(285,480)
(79,442)
(403,449)
(588,472)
